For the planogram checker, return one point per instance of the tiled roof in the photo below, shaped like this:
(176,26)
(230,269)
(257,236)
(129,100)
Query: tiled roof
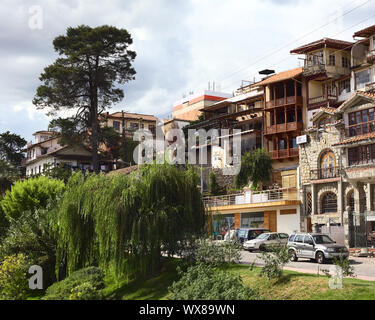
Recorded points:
(365,33)
(353,96)
(362,137)
(285,75)
(330,43)
(323,110)
(133,116)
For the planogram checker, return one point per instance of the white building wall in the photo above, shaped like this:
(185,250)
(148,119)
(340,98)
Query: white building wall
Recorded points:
(288,223)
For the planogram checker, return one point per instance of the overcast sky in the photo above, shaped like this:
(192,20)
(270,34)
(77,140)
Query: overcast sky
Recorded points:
(181,45)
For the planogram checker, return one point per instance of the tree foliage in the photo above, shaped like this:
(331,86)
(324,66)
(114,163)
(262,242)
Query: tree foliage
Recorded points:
(215,188)
(30,195)
(137,215)
(13,277)
(11,146)
(256,167)
(92,62)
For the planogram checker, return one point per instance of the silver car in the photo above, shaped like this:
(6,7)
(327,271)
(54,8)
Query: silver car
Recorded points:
(315,246)
(266,240)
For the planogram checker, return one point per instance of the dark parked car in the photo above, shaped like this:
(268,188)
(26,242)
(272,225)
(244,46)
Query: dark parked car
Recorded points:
(245,234)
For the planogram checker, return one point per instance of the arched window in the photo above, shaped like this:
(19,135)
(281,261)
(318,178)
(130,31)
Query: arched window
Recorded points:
(329,202)
(327,165)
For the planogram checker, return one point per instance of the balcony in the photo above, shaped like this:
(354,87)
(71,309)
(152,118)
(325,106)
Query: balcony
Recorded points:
(324,173)
(284,102)
(370,86)
(311,68)
(284,154)
(283,127)
(251,197)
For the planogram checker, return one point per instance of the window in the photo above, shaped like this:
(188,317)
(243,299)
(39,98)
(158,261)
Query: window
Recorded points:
(362,78)
(308,240)
(308,203)
(283,236)
(361,155)
(329,202)
(252,220)
(350,202)
(361,122)
(298,238)
(345,62)
(134,126)
(344,86)
(327,165)
(332,59)
(151,127)
(291,238)
(272,237)
(116,125)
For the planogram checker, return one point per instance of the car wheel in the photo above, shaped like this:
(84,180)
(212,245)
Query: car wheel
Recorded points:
(262,248)
(293,255)
(319,257)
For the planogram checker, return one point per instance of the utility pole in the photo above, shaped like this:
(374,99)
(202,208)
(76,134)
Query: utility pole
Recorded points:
(123,138)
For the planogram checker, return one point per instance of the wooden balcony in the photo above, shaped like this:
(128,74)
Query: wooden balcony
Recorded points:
(284,154)
(283,127)
(284,102)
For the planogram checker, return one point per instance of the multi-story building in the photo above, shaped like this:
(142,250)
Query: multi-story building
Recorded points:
(190,107)
(284,120)
(133,122)
(326,73)
(337,161)
(46,152)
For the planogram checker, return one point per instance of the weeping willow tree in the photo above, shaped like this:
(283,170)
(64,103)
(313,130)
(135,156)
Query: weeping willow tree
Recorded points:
(128,220)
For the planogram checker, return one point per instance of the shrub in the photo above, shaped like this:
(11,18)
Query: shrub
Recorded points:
(274,262)
(30,195)
(84,284)
(13,277)
(344,264)
(214,186)
(202,282)
(210,252)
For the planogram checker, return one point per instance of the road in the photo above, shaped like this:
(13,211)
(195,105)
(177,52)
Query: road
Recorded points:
(364,268)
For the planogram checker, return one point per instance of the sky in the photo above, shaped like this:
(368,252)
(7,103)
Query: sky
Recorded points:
(181,45)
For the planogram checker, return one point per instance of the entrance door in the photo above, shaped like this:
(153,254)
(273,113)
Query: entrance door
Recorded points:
(270,221)
(308,247)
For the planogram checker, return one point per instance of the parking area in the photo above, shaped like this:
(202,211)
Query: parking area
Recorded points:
(364,268)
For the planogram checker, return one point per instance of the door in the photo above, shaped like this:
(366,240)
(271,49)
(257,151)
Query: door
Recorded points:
(308,247)
(272,241)
(298,244)
(270,221)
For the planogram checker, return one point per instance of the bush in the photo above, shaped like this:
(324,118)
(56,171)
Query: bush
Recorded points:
(84,284)
(13,277)
(202,282)
(274,262)
(210,252)
(344,264)
(30,195)
(215,188)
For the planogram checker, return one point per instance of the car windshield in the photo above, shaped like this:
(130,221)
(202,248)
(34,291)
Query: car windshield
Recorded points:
(322,239)
(263,236)
(255,233)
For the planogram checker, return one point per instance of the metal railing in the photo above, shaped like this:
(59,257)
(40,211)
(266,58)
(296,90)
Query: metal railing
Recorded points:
(324,173)
(251,197)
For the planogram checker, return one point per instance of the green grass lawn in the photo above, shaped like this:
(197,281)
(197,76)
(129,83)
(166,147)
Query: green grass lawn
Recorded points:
(292,286)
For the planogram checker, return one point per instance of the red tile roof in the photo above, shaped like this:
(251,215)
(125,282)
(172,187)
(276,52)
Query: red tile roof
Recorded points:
(126,170)
(330,43)
(365,33)
(136,116)
(285,75)
(362,137)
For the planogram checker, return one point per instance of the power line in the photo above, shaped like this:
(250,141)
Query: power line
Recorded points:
(290,56)
(295,40)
